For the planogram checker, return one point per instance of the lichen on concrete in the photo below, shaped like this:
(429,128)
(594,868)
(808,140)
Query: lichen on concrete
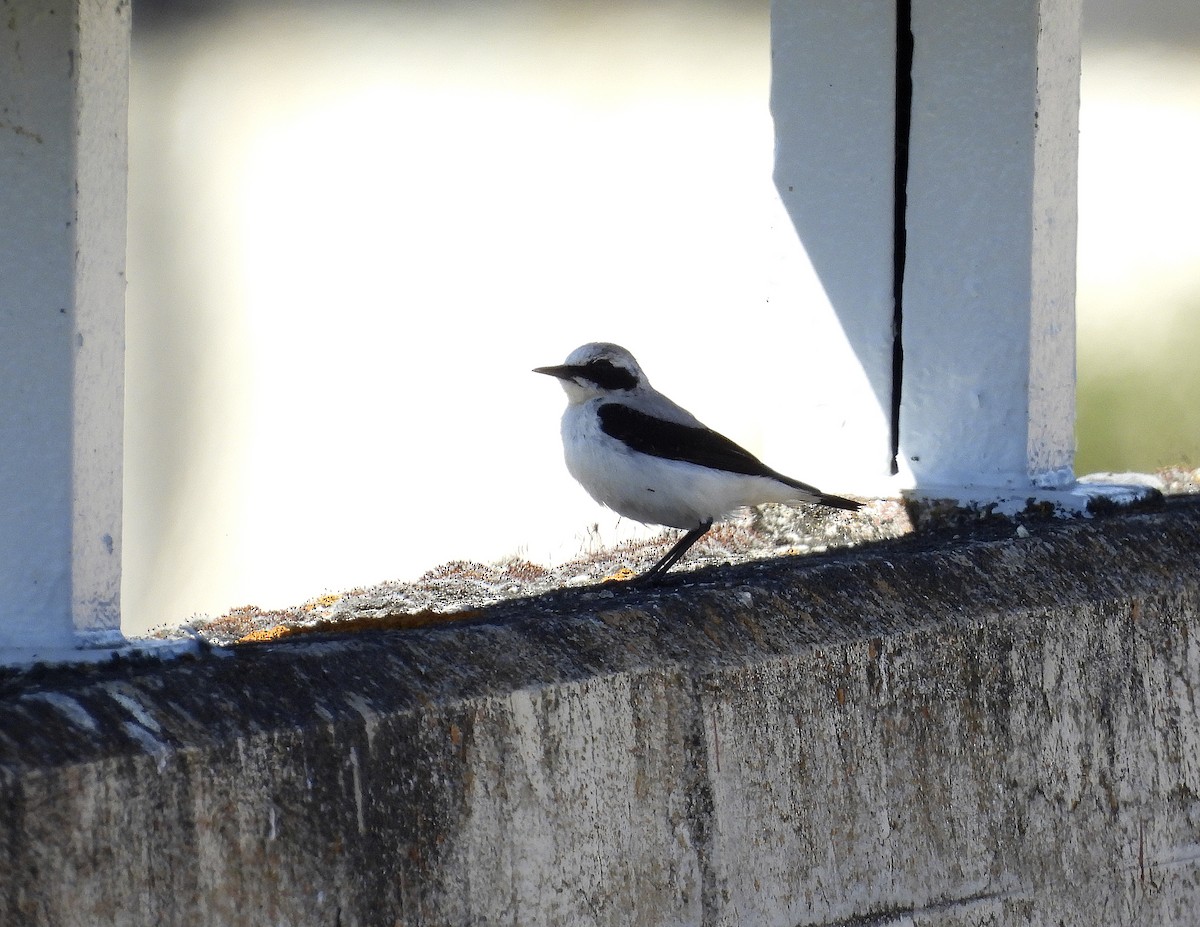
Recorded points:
(459,589)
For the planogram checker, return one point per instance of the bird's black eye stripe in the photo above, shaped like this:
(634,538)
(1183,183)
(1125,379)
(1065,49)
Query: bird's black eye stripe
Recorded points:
(607,375)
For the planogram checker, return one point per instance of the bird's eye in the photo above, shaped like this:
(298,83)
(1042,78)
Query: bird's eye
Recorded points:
(607,375)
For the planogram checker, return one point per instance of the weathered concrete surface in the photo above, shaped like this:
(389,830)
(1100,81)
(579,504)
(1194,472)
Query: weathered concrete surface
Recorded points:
(1000,731)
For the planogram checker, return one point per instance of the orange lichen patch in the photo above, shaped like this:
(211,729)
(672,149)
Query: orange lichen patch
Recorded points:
(265,634)
(396,621)
(622,575)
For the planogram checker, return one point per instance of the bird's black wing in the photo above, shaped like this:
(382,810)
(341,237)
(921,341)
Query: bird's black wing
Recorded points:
(689,443)
(698,445)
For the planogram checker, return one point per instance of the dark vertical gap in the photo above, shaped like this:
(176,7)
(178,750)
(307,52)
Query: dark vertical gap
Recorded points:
(904,60)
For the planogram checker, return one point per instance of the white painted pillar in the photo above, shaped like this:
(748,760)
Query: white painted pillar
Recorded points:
(63,99)
(988,392)
(978,226)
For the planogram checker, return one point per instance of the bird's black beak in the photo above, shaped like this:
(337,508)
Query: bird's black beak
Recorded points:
(562,371)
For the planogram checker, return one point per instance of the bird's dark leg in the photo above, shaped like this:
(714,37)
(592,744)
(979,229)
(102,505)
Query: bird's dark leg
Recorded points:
(656,572)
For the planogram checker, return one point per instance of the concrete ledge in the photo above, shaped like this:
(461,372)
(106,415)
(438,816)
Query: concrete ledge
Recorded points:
(999,731)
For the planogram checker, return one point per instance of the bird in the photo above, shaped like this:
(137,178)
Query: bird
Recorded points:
(649,459)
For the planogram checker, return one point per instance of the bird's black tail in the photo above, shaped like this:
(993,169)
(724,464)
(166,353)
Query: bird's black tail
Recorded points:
(812,494)
(838,502)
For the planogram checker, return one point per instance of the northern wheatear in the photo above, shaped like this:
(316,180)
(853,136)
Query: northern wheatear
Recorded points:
(641,455)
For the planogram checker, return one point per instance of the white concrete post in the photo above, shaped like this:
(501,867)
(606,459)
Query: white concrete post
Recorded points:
(63,103)
(969,229)
(988,392)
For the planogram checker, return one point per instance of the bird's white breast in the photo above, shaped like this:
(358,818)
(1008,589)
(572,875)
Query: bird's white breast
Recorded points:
(651,489)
